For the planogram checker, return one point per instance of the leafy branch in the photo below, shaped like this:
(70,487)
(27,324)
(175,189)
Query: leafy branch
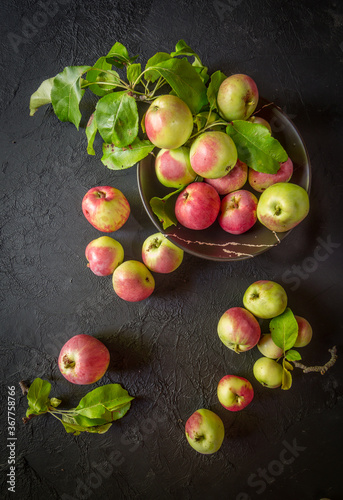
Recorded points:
(321,369)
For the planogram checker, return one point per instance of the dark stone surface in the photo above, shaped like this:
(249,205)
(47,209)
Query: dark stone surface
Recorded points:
(165,350)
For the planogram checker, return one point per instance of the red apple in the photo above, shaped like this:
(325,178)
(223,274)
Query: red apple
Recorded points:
(237,97)
(235,393)
(168,122)
(260,181)
(132,281)
(238,212)
(238,329)
(213,154)
(304,332)
(106,208)
(83,359)
(160,254)
(104,254)
(197,206)
(232,181)
(173,167)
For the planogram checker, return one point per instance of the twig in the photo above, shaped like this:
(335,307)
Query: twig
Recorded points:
(322,369)
(24,388)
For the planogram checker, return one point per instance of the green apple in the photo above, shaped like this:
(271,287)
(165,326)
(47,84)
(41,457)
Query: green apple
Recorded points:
(283,206)
(268,372)
(205,431)
(268,348)
(237,97)
(265,299)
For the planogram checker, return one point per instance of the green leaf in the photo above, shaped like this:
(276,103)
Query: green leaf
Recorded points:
(95,74)
(152,75)
(42,96)
(217,79)
(71,426)
(256,147)
(66,94)
(90,422)
(284,330)
(133,72)
(38,397)
(163,208)
(120,158)
(185,82)
(182,49)
(286,379)
(117,118)
(91,131)
(293,355)
(54,402)
(120,412)
(119,56)
(108,397)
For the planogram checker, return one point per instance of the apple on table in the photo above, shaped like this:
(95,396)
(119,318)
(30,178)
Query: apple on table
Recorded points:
(106,208)
(265,299)
(205,431)
(104,254)
(132,281)
(234,392)
(268,372)
(238,329)
(268,348)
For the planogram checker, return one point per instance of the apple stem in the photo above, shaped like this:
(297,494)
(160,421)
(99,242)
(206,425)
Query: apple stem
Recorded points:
(322,369)
(68,363)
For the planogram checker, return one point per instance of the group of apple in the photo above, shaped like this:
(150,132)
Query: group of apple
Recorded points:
(238,328)
(107,209)
(212,157)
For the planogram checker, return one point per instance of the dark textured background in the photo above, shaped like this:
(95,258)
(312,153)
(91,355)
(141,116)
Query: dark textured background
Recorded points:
(165,350)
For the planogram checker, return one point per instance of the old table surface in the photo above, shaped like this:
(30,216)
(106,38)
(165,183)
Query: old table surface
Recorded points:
(165,350)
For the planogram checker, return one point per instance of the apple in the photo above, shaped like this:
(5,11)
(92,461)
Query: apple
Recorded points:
(260,181)
(234,393)
(213,154)
(265,299)
(168,122)
(260,121)
(237,97)
(283,206)
(205,431)
(173,167)
(197,206)
(132,281)
(238,212)
(106,208)
(304,332)
(232,181)
(83,359)
(268,372)
(238,329)
(268,348)
(104,254)
(160,254)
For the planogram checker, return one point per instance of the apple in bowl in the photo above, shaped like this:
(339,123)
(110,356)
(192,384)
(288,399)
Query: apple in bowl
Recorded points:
(237,97)
(232,181)
(197,206)
(161,255)
(173,167)
(260,181)
(238,212)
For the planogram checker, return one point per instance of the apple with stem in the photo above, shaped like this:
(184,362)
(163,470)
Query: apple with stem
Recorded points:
(238,329)
(161,255)
(283,206)
(232,181)
(234,393)
(104,254)
(261,181)
(205,431)
(197,206)
(265,299)
(238,212)
(213,154)
(168,122)
(132,281)
(268,372)
(106,208)
(237,97)
(173,167)
(304,332)
(83,359)
(268,348)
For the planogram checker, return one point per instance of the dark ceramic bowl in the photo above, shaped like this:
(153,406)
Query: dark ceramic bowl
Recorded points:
(214,243)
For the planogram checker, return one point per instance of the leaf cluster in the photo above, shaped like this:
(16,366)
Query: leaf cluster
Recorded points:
(94,414)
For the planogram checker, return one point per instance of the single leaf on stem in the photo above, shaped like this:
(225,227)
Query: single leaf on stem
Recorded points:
(66,94)
(133,72)
(153,75)
(119,56)
(284,330)
(107,397)
(286,378)
(117,118)
(217,79)
(293,355)
(38,397)
(120,158)
(42,95)
(95,74)
(182,49)
(163,208)
(91,131)
(256,147)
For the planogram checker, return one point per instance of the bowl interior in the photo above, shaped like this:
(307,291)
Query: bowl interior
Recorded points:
(214,243)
